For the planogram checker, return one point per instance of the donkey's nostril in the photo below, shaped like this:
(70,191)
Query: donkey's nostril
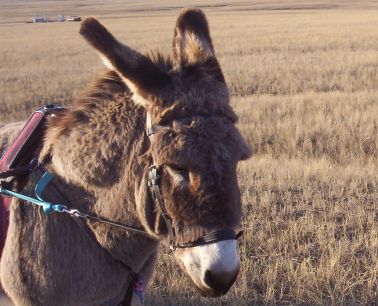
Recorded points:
(219,282)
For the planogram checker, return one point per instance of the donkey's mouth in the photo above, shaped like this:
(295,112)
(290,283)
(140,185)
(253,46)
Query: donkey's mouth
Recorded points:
(206,292)
(210,293)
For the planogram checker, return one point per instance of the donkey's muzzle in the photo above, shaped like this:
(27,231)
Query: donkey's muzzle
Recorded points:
(212,267)
(219,282)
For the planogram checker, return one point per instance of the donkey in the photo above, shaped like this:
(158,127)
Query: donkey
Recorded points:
(100,155)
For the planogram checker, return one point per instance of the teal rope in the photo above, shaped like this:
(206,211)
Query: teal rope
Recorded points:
(46,206)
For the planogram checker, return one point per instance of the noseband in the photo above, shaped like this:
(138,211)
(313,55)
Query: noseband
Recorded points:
(154,186)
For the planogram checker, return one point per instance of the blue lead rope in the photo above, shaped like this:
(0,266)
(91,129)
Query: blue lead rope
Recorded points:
(39,188)
(48,207)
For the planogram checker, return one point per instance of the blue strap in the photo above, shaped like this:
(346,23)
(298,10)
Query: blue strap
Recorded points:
(41,185)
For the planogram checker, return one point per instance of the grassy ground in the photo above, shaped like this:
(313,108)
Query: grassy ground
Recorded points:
(304,80)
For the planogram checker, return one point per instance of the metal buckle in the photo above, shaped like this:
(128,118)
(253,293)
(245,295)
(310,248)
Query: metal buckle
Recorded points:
(153,176)
(150,131)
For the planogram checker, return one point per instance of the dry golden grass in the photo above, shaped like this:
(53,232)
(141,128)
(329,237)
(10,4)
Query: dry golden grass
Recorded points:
(304,79)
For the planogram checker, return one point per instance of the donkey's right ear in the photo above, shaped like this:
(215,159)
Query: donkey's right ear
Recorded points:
(192,41)
(141,75)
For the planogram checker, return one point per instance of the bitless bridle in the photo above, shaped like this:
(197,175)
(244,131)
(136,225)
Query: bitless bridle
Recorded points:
(154,185)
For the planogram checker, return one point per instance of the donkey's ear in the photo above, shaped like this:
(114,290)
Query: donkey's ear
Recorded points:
(141,75)
(192,42)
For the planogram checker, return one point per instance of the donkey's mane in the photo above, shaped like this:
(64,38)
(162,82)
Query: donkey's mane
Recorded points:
(107,87)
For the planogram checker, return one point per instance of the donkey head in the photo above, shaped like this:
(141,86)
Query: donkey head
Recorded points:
(197,149)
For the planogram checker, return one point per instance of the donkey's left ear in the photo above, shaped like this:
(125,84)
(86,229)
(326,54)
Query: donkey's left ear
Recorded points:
(192,41)
(143,77)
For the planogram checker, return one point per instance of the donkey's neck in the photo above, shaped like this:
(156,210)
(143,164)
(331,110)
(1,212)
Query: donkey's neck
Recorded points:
(95,148)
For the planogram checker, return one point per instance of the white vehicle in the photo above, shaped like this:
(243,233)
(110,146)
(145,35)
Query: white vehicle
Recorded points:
(74,18)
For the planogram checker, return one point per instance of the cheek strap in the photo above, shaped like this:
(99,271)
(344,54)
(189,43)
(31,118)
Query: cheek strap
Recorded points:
(153,184)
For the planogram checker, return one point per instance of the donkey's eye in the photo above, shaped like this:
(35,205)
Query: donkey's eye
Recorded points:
(179,174)
(177,169)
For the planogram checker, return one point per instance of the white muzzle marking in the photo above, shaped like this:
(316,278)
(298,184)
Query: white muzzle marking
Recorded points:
(220,260)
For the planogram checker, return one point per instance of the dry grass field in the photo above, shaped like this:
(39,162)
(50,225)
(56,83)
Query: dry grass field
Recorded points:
(304,81)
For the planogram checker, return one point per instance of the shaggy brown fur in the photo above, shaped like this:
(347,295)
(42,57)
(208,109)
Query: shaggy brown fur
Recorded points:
(100,154)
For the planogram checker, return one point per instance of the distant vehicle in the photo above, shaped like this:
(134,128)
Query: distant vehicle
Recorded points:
(40,19)
(74,18)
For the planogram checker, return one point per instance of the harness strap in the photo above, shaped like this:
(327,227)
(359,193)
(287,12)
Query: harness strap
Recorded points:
(42,183)
(150,130)
(18,171)
(153,183)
